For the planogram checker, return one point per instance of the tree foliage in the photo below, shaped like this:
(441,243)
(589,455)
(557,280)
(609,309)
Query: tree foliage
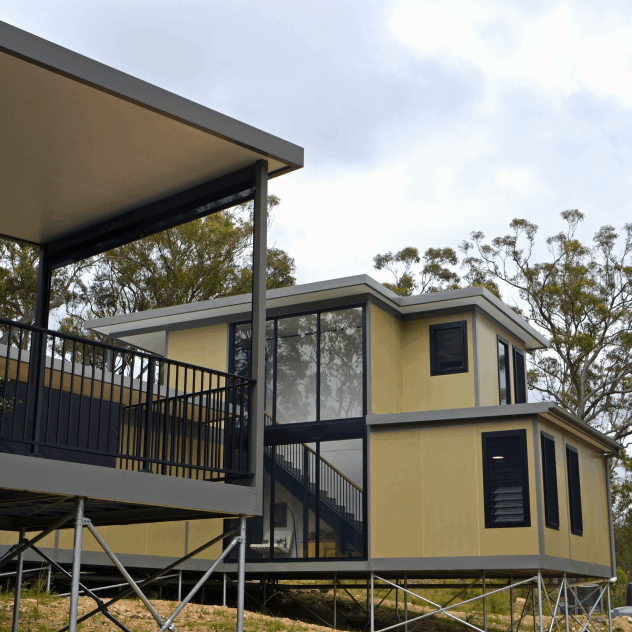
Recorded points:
(207,258)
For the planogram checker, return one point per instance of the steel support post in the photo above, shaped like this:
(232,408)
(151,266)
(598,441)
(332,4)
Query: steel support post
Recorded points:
(336,605)
(241,573)
(511,602)
(540,615)
(372,604)
(405,602)
(224,592)
(259,281)
(18,584)
(609,611)
(179,586)
(48,578)
(484,604)
(566,603)
(76,563)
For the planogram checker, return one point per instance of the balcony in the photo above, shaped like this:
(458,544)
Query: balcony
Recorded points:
(73,399)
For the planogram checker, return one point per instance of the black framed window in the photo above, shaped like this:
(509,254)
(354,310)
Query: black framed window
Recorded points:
(314,365)
(504,376)
(520,377)
(549,482)
(574,490)
(448,348)
(506,479)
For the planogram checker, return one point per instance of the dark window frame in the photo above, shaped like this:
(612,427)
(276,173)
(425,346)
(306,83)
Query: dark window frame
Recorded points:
(574,491)
(522,434)
(500,340)
(549,519)
(519,352)
(462,324)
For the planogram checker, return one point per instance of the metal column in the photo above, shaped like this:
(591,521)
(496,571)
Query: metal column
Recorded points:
(405,602)
(241,575)
(179,585)
(224,592)
(76,564)
(18,585)
(259,280)
(335,601)
(540,615)
(566,603)
(484,605)
(372,604)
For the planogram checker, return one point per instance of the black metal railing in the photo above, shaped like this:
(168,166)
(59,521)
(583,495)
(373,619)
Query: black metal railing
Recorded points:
(74,399)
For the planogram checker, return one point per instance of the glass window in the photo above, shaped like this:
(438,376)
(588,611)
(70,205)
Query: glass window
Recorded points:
(448,348)
(341,364)
(520,377)
(549,482)
(574,491)
(505,479)
(296,367)
(504,390)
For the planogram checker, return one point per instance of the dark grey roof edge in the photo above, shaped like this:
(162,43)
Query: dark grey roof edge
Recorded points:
(481,412)
(29,47)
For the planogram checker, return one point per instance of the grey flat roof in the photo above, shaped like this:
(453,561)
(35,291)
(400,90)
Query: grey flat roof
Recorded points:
(83,143)
(127,326)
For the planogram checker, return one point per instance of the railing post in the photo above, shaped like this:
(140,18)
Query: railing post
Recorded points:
(149,414)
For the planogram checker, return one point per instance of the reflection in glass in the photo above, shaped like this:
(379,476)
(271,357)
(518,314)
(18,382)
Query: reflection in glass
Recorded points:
(296,369)
(341,364)
(503,373)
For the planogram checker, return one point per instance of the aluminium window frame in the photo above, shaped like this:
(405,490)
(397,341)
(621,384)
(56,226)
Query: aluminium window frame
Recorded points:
(508,366)
(462,324)
(522,433)
(550,524)
(570,489)
(516,351)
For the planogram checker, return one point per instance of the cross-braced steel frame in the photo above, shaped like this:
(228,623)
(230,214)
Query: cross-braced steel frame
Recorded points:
(541,597)
(80,521)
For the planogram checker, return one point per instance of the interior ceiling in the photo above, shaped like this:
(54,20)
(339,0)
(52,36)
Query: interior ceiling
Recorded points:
(73,155)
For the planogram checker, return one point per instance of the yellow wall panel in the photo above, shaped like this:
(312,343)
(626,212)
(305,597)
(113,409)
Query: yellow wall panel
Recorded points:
(386,362)
(166,538)
(201,531)
(423,391)
(130,538)
(202,346)
(451,503)
(396,494)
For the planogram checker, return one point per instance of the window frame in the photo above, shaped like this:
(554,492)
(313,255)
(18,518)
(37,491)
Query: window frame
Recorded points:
(310,430)
(518,352)
(500,340)
(460,324)
(551,524)
(522,433)
(569,476)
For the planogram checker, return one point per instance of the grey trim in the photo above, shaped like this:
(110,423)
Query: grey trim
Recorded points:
(490,412)
(498,325)
(367,491)
(476,362)
(367,339)
(76,479)
(613,555)
(354,286)
(539,501)
(65,62)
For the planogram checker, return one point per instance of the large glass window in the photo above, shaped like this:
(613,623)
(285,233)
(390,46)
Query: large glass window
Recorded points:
(549,482)
(574,490)
(313,503)
(448,348)
(314,365)
(520,377)
(504,390)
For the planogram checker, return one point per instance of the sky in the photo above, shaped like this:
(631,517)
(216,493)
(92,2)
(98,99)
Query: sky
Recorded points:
(421,121)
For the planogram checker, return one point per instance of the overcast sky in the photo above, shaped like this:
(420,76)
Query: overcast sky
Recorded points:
(421,121)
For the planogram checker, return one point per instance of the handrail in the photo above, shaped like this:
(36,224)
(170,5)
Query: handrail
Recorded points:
(333,467)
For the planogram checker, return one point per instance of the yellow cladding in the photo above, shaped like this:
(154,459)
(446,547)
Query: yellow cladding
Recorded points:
(488,359)
(202,346)
(427,494)
(400,366)
(594,545)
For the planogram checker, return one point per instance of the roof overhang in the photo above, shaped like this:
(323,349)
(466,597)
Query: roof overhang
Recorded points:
(92,157)
(138,328)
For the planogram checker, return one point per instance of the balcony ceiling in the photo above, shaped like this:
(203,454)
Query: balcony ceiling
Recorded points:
(83,143)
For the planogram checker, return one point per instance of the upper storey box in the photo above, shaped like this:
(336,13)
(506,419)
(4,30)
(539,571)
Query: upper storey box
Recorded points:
(342,349)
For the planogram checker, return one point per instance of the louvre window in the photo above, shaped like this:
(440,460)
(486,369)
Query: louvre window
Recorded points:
(549,482)
(520,377)
(504,380)
(505,477)
(448,348)
(574,491)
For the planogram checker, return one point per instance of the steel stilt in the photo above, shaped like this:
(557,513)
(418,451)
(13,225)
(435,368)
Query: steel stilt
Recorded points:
(179,586)
(335,601)
(484,605)
(18,585)
(372,604)
(224,592)
(540,615)
(241,573)
(405,602)
(566,613)
(76,564)
(609,612)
